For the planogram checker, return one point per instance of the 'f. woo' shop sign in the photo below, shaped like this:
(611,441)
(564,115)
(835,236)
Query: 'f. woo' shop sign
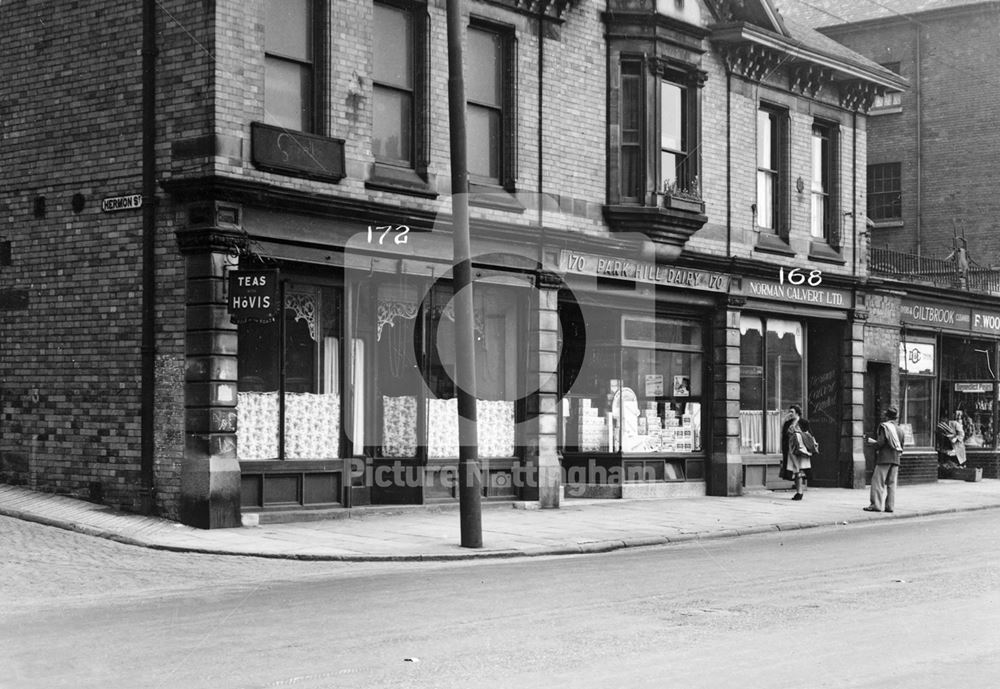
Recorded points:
(253,296)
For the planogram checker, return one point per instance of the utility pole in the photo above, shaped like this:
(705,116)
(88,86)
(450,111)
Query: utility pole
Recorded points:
(469,489)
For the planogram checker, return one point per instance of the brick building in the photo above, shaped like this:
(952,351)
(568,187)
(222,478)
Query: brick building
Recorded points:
(225,278)
(931,208)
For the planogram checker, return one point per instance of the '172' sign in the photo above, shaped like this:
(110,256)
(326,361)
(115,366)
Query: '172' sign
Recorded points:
(253,296)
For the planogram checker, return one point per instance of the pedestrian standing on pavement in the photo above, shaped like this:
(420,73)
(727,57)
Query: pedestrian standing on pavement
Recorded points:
(791,422)
(801,448)
(888,449)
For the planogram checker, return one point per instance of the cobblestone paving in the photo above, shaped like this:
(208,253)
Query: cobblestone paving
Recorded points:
(42,567)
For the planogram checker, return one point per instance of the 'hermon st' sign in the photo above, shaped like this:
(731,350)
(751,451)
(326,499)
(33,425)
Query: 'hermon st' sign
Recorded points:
(253,296)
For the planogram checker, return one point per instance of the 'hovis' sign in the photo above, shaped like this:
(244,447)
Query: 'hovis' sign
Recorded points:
(253,296)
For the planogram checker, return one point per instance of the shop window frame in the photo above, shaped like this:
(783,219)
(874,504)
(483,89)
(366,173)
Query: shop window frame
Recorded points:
(764,381)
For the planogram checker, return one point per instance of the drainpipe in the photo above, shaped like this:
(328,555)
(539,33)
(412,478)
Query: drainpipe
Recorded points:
(148,348)
(729,165)
(854,193)
(920,146)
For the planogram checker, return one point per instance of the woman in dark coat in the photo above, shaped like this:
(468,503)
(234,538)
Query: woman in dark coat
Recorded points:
(791,421)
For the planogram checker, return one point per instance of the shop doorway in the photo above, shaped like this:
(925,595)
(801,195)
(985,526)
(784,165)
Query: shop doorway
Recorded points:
(877,395)
(823,406)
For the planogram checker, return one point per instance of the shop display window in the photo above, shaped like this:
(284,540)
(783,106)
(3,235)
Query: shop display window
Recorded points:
(916,386)
(407,396)
(969,385)
(772,363)
(305,402)
(643,396)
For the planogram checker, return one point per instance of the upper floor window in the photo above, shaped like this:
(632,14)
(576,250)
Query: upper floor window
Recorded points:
(657,153)
(393,86)
(675,171)
(823,180)
(632,166)
(288,64)
(489,112)
(885,200)
(771,169)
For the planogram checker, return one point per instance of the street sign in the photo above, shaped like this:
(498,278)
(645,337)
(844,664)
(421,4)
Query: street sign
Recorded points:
(121,203)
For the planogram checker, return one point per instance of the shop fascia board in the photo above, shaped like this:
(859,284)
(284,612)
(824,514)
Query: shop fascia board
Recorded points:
(361,212)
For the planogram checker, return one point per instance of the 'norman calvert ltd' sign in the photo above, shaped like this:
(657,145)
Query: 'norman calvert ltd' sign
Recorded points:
(798,294)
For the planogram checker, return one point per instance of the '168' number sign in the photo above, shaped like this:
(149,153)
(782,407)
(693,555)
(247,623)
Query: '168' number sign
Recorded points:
(798,276)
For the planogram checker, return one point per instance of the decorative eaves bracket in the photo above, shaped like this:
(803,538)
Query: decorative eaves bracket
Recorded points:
(808,78)
(858,95)
(549,8)
(751,60)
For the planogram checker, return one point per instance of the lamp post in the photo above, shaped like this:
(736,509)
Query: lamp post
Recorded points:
(469,490)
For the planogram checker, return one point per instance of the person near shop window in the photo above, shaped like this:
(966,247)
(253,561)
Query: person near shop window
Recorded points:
(801,448)
(791,422)
(888,450)
(951,441)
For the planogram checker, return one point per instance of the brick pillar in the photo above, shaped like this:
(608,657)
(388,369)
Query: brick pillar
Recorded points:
(210,472)
(852,456)
(725,471)
(543,475)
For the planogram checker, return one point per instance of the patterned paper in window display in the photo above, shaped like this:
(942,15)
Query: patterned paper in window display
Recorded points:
(312,425)
(399,426)
(257,425)
(495,426)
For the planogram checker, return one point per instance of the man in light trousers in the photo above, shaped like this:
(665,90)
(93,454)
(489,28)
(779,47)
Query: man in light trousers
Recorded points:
(888,448)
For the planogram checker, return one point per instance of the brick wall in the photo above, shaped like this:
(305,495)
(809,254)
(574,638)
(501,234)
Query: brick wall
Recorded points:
(956,85)
(70,362)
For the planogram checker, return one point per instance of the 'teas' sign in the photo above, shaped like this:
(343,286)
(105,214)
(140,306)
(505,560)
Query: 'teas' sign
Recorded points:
(253,296)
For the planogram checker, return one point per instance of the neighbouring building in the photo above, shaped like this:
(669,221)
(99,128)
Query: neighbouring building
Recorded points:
(932,212)
(225,242)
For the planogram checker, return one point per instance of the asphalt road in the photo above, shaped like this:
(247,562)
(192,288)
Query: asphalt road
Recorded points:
(902,603)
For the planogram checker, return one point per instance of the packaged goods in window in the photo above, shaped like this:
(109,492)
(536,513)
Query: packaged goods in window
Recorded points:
(399,426)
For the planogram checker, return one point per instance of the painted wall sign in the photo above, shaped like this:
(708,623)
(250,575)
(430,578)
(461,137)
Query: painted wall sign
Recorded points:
(987,322)
(253,296)
(641,271)
(297,153)
(933,314)
(121,203)
(798,294)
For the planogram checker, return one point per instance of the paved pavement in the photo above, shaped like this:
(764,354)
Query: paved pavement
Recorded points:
(579,526)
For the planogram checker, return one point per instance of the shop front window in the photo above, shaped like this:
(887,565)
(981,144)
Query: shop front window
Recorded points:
(772,356)
(916,386)
(423,411)
(641,393)
(295,415)
(968,385)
